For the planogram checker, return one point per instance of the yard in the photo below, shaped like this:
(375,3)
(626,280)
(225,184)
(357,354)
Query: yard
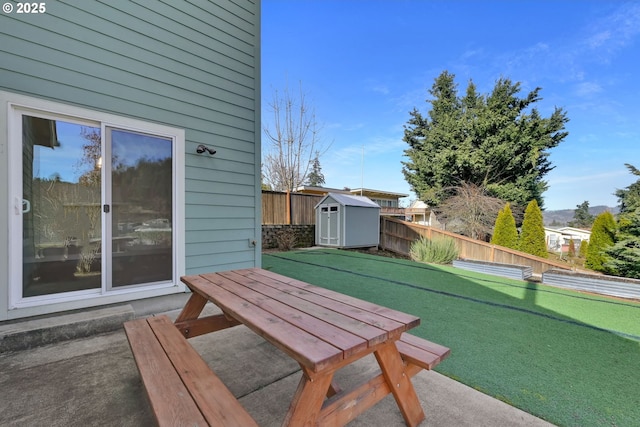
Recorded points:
(570,358)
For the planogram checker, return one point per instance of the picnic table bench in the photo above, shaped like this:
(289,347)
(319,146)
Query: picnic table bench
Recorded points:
(322,330)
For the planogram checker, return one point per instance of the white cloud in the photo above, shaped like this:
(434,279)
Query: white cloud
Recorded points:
(383,89)
(598,40)
(587,89)
(588,177)
(613,32)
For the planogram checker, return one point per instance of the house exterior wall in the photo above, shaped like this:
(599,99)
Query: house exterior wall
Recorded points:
(191,66)
(558,239)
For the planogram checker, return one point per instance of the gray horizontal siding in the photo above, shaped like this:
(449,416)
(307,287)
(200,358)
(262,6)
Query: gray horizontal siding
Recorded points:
(203,224)
(98,64)
(208,236)
(119,48)
(188,64)
(235,139)
(600,284)
(217,199)
(222,176)
(200,186)
(223,260)
(518,272)
(221,212)
(155,94)
(88,50)
(226,159)
(218,246)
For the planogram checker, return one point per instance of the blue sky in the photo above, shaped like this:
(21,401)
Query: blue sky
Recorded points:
(365,64)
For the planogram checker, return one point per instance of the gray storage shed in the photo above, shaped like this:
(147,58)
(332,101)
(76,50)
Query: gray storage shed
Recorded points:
(347,221)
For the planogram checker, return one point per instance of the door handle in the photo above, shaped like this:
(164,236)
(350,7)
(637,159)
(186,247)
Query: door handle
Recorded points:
(23,206)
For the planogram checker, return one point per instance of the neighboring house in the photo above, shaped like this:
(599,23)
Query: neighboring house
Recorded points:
(420,213)
(388,201)
(558,239)
(110,115)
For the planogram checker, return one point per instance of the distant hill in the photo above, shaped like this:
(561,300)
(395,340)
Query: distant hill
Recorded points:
(563,216)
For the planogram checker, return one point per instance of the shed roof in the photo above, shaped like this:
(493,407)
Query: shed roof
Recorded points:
(349,200)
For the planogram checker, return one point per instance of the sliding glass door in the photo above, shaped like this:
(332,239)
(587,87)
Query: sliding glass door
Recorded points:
(141,208)
(61,200)
(97,207)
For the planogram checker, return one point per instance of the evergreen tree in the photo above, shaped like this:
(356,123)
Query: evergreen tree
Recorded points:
(584,247)
(505,232)
(629,198)
(532,239)
(602,238)
(581,216)
(498,141)
(315,177)
(572,248)
(624,255)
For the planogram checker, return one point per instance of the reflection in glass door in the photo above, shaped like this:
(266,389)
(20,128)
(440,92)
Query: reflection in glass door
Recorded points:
(61,200)
(141,208)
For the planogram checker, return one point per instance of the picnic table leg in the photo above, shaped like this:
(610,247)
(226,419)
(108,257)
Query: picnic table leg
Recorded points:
(400,384)
(334,389)
(192,308)
(307,401)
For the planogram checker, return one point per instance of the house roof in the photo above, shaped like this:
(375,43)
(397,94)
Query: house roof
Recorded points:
(349,200)
(567,230)
(574,230)
(310,189)
(417,207)
(380,194)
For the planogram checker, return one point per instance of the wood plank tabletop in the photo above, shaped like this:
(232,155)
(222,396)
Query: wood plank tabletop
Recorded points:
(316,326)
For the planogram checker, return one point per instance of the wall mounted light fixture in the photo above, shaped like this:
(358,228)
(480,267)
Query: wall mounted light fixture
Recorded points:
(202,148)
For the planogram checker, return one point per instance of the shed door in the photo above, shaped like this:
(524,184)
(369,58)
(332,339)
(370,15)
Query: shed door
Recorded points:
(330,225)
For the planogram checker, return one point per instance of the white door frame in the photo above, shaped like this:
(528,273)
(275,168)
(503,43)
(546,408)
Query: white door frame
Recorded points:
(17,105)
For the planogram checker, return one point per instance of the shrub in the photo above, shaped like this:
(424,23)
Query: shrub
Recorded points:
(286,239)
(602,237)
(572,249)
(584,247)
(440,250)
(624,255)
(532,239)
(505,232)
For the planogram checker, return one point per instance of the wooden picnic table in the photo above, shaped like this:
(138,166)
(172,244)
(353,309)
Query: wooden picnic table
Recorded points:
(322,330)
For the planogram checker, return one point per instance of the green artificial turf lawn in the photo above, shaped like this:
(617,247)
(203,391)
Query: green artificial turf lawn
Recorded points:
(570,358)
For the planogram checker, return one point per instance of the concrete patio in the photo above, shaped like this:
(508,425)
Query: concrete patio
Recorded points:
(92,380)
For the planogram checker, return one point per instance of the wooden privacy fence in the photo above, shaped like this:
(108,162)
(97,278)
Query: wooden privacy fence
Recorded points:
(288,208)
(397,236)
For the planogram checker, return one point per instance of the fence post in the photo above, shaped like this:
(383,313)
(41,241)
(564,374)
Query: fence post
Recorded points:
(288,207)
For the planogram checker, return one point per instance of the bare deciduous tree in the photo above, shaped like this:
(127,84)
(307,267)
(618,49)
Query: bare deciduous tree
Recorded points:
(294,141)
(470,211)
